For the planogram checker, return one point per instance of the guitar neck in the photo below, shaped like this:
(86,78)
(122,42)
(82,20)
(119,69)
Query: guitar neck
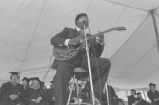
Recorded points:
(96,35)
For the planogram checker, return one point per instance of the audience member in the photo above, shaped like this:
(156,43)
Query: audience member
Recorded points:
(35,94)
(132,98)
(152,94)
(12,93)
(50,94)
(140,100)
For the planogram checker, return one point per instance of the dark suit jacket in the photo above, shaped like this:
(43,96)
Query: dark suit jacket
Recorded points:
(142,102)
(153,95)
(8,89)
(112,95)
(131,99)
(69,33)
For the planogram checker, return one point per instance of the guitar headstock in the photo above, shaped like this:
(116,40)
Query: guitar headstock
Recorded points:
(119,28)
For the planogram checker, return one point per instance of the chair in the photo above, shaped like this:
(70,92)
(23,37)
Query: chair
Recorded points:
(82,75)
(78,74)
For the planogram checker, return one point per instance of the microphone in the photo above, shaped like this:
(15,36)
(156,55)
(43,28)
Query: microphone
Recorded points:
(85,23)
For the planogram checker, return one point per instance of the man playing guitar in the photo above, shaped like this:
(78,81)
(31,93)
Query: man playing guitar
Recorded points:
(100,67)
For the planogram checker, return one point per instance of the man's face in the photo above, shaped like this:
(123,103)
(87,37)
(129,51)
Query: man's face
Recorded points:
(14,78)
(132,92)
(139,96)
(35,84)
(83,22)
(25,83)
(152,87)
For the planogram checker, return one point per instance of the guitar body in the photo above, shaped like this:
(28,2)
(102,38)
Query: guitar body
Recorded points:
(64,53)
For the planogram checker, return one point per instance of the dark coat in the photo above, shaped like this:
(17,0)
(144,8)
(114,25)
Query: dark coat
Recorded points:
(34,94)
(50,94)
(142,102)
(69,33)
(113,98)
(153,95)
(26,94)
(8,89)
(131,99)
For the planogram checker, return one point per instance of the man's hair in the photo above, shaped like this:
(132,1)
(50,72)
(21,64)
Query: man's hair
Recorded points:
(138,93)
(133,90)
(79,16)
(12,76)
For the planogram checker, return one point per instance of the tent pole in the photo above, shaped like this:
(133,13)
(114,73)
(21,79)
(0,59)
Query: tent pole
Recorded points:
(155,27)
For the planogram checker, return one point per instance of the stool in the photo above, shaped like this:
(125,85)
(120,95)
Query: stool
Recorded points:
(79,74)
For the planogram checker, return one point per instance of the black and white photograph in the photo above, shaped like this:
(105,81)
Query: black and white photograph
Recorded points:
(79,52)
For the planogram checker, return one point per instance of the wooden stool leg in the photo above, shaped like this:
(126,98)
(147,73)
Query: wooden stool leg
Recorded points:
(72,86)
(107,92)
(77,92)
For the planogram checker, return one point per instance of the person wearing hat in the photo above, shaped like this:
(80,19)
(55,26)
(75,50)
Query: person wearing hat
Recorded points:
(12,93)
(153,94)
(140,100)
(34,93)
(132,98)
(25,82)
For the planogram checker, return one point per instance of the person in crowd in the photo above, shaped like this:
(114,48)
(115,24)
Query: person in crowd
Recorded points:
(12,93)
(113,98)
(140,100)
(25,83)
(132,99)
(35,94)
(44,92)
(112,95)
(50,94)
(153,94)
(100,66)
(30,82)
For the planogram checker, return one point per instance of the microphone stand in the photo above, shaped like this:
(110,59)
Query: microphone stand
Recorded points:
(89,67)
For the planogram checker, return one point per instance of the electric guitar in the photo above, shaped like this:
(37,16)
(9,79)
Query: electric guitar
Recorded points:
(66,53)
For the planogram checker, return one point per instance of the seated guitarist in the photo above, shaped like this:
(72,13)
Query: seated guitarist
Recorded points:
(100,67)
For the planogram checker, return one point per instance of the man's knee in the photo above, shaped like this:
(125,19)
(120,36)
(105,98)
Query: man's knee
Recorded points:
(107,63)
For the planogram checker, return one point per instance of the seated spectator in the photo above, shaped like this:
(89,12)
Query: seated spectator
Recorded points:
(12,93)
(152,94)
(132,99)
(141,101)
(44,92)
(25,83)
(50,94)
(35,94)
(113,98)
